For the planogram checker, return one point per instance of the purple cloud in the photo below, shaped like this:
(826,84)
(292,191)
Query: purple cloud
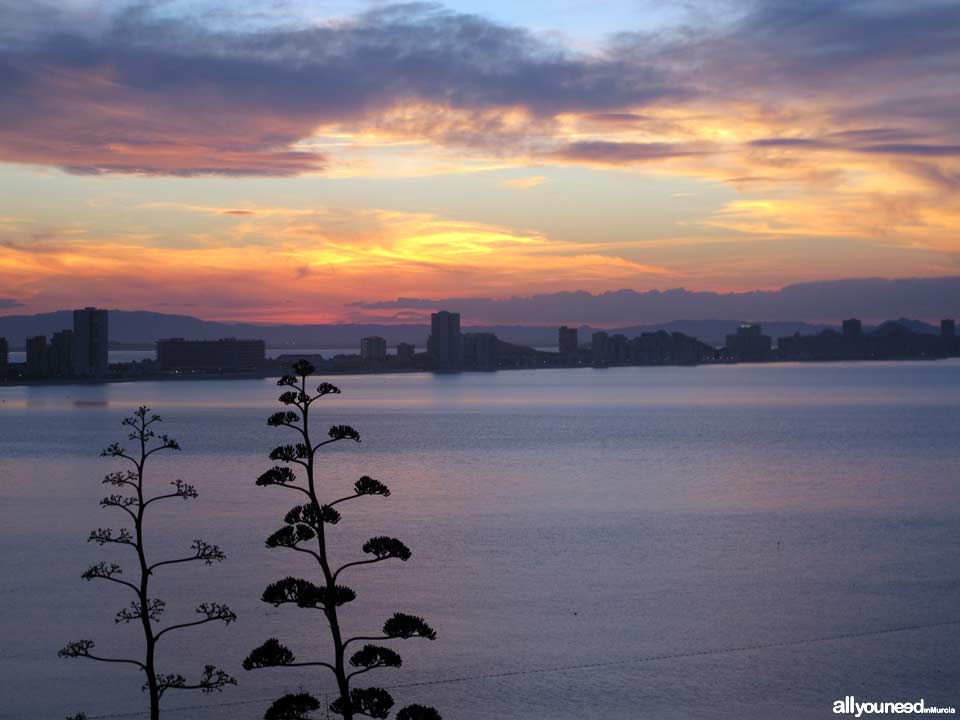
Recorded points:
(624,153)
(872,298)
(135,92)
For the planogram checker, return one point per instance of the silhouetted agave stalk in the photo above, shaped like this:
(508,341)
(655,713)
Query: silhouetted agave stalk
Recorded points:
(305,532)
(145,609)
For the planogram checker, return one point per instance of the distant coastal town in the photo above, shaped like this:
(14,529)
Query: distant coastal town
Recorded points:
(81,353)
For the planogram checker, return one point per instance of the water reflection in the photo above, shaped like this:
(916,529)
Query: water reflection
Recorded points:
(556,517)
(810,385)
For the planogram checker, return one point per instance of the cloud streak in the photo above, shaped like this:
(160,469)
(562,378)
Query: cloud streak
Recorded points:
(325,253)
(623,153)
(873,298)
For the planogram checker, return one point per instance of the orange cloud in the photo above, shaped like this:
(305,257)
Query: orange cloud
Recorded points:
(525,183)
(316,262)
(840,132)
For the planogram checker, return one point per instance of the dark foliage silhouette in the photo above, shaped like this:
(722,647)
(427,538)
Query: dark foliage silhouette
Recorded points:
(305,531)
(145,609)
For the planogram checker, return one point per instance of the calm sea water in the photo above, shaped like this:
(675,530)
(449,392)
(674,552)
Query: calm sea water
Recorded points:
(567,526)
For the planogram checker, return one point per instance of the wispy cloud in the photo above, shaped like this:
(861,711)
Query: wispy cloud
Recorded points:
(870,298)
(623,153)
(525,183)
(334,250)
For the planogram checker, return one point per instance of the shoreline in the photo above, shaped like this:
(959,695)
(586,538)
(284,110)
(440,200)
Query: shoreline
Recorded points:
(267,374)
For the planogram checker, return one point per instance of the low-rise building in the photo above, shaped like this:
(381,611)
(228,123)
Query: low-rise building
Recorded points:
(748,344)
(480,351)
(406,352)
(373,350)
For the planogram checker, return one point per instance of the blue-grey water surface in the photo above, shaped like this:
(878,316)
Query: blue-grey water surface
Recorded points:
(586,520)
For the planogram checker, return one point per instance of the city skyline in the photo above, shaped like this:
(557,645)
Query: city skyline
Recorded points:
(200,159)
(81,352)
(825,303)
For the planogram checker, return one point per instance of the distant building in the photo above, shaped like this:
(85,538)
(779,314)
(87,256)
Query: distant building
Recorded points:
(91,339)
(50,359)
(373,350)
(568,341)
(405,352)
(37,356)
(686,350)
(948,328)
(889,341)
(748,344)
(598,347)
(4,358)
(227,354)
(60,360)
(445,343)
(618,349)
(480,351)
(651,348)
(852,328)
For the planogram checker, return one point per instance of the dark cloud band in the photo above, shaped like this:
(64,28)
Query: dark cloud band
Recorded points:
(138,93)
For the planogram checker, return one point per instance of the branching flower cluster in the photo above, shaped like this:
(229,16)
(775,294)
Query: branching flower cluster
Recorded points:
(305,531)
(132,499)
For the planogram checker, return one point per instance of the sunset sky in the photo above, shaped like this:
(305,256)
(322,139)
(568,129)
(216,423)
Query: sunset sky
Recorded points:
(284,161)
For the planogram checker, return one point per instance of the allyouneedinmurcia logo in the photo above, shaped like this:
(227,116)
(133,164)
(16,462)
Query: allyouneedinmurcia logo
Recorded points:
(850,706)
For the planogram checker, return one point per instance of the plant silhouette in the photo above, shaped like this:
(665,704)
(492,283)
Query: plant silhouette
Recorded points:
(305,531)
(145,609)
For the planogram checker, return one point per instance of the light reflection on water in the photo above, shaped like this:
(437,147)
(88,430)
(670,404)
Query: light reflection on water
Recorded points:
(557,517)
(918,383)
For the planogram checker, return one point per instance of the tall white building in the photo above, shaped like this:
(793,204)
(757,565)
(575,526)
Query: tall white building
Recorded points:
(91,337)
(446,344)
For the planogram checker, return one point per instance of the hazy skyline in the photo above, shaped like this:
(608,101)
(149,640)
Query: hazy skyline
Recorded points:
(287,162)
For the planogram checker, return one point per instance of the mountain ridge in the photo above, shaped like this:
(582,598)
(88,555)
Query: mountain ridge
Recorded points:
(143,327)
